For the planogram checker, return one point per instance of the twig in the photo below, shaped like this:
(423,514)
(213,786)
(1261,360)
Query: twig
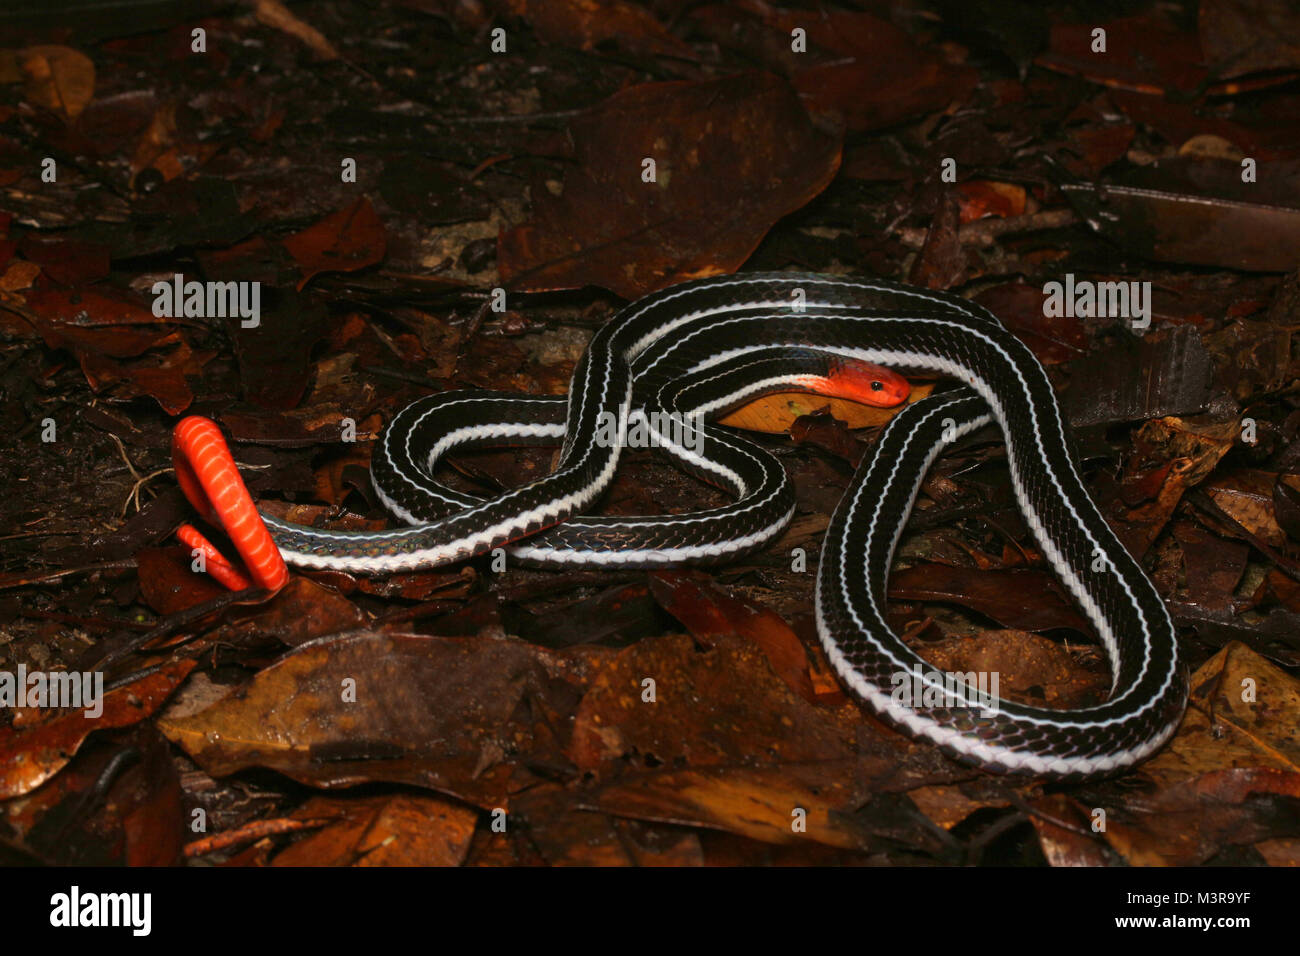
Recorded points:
(20,580)
(249,832)
(134,494)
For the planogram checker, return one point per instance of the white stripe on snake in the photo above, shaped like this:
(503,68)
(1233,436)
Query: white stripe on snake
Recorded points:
(709,345)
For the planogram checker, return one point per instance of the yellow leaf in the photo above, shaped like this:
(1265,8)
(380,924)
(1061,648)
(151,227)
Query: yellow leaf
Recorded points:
(58,78)
(775,413)
(1243,712)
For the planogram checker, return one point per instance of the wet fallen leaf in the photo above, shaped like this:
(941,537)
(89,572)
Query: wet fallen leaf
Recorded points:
(116,804)
(775,805)
(947,805)
(91,308)
(345,241)
(163,378)
(168,581)
(1093,148)
(422,585)
(942,261)
(1058,822)
(1029,668)
(1019,306)
(1286,508)
(397,830)
(67,261)
(1146,53)
(861,68)
(20,275)
(274,357)
(793,804)
(1283,851)
(707,611)
(301,611)
(30,757)
(1214,566)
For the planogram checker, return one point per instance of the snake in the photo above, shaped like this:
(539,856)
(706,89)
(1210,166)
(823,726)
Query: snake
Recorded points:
(693,351)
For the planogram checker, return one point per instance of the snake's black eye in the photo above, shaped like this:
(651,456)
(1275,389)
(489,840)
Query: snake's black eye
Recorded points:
(877,386)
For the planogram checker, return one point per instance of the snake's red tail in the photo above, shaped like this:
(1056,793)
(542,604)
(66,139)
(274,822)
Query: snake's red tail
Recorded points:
(207,474)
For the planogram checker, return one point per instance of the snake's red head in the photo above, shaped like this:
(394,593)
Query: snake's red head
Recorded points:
(861,382)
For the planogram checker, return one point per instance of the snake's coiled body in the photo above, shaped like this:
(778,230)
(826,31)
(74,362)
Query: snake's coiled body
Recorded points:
(706,346)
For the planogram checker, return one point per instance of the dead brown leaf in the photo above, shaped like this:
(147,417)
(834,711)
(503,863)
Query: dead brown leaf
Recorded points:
(442,713)
(733,155)
(31,756)
(1243,712)
(397,830)
(345,241)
